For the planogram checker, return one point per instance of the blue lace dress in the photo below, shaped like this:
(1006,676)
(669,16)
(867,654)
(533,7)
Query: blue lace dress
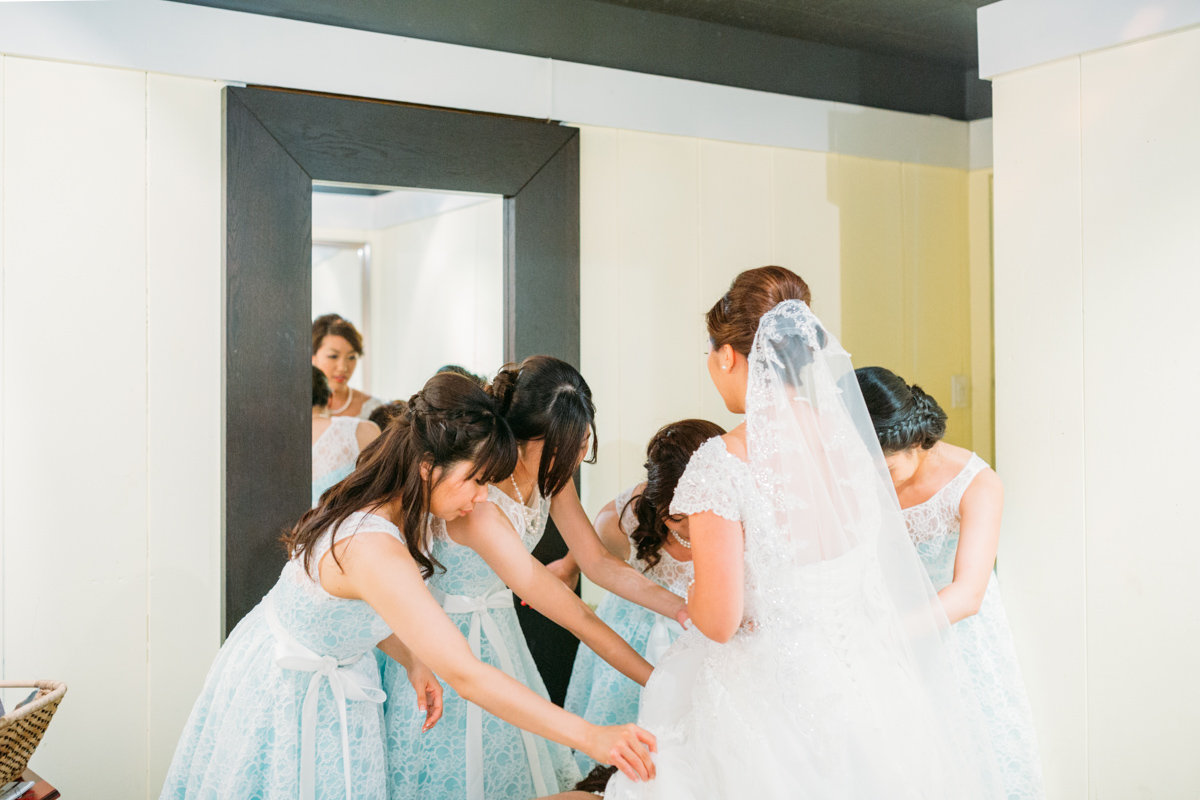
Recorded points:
(987,655)
(334,454)
(247,736)
(599,693)
(470,754)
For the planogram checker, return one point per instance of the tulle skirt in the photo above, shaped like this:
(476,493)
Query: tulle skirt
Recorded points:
(800,713)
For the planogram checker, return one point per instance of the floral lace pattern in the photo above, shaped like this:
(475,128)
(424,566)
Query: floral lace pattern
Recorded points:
(987,656)
(334,454)
(432,765)
(243,736)
(597,692)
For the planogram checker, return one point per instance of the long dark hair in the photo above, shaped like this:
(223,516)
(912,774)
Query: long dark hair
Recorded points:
(449,421)
(904,416)
(667,456)
(546,398)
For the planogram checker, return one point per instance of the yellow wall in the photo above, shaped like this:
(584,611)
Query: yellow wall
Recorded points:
(906,279)
(668,221)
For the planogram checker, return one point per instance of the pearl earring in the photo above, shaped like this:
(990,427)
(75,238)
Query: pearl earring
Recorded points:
(724,367)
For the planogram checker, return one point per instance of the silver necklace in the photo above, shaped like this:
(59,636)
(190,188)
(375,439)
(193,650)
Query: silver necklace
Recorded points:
(685,542)
(349,400)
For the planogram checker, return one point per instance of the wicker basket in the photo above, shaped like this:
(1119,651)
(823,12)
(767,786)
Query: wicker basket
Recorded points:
(21,730)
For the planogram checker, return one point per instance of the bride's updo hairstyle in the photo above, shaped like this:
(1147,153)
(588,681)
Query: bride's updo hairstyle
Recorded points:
(904,416)
(449,421)
(734,319)
(667,457)
(546,398)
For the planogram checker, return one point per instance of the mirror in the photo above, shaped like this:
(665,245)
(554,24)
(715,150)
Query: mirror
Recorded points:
(385,259)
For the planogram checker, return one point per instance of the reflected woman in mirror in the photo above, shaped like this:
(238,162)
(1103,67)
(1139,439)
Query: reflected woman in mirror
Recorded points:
(638,527)
(292,705)
(337,348)
(336,441)
(488,557)
(952,501)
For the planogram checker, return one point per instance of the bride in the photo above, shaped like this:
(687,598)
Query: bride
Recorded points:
(817,664)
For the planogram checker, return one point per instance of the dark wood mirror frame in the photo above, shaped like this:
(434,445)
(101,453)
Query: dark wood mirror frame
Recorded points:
(276,143)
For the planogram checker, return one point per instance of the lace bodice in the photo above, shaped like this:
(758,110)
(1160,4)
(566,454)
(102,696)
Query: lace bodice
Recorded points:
(669,573)
(718,481)
(934,524)
(466,571)
(326,624)
(369,405)
(336,448)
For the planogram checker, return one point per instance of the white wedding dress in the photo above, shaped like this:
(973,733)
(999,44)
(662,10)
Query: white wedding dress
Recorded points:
(838,684)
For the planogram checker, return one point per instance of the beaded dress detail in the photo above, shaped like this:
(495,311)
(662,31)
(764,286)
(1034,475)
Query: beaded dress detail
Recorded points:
(334,454)
(245,736)
(985,644)
(597,692)
(511,764)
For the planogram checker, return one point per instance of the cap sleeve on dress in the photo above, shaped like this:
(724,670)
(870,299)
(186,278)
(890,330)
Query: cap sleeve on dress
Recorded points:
(707,484)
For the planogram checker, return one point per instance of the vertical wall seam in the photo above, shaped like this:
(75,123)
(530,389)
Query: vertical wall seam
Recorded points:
(700,253)
(617,280)
(3,412)
(1087,781)
(146,390)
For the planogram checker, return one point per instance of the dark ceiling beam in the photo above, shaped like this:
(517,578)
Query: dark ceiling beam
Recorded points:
(659,44)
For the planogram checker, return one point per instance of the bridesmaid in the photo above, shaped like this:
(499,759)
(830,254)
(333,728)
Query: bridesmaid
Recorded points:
(473,756)
(952,502)
(291,708)
(337,346)
(336,441)
(638,527)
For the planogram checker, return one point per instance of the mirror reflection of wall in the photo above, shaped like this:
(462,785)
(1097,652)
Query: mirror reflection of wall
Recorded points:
(419,273)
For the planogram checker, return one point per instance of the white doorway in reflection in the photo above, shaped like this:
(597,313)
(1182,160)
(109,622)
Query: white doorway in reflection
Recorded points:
(419,273)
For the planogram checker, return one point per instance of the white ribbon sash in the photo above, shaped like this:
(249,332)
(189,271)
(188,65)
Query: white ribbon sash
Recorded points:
(346,685)
(660,638)
(482,622)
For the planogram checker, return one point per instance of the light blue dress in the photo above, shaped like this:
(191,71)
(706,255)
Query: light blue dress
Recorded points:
(470,754)
(987,655)
(599,693)
(247,736)
(334,454)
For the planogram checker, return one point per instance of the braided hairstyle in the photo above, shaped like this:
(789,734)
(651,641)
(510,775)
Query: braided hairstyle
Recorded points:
(904,416)
(667,456)
(546,398)
(449,421)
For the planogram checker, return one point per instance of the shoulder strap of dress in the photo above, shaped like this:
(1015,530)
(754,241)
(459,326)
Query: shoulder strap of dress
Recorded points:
(958,487)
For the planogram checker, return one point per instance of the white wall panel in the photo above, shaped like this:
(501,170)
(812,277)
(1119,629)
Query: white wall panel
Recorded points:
(1141,246)
(735,235)
(1040,405)
(660,339)
(805,227)
(3,664)
(184,391)
(600,328)
(75,448)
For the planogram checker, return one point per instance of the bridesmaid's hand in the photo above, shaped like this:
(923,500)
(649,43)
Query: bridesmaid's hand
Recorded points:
(566,570)
(429,694)
(682,616)
(626,747)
